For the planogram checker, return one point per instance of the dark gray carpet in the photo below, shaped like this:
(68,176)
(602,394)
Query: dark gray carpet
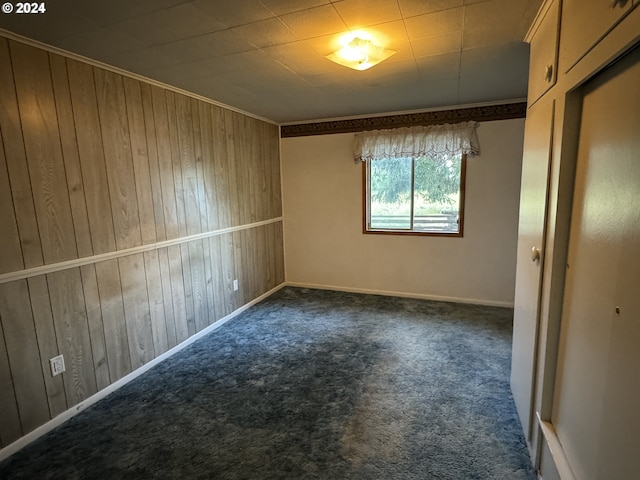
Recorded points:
(309,384)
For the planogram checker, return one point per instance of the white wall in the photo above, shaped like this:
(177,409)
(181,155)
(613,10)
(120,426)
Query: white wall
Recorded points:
(325,246)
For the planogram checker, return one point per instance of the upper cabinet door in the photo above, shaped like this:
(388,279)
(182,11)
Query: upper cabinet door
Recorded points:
(531,233)
(544,52)
(584,24)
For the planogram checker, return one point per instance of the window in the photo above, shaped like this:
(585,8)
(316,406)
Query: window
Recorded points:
(414,178)
(421,196)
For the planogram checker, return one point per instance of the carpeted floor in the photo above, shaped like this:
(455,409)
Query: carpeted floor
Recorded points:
(309,384)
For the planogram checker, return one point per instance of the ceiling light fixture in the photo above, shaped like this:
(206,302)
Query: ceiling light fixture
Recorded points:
(360,54)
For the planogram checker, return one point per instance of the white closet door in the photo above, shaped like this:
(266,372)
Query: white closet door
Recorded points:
(597,397)
(533,206)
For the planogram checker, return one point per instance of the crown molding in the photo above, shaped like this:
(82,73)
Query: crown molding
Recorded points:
(479,114)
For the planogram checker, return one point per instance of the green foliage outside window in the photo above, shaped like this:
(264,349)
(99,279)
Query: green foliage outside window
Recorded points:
(421,195)
(435,180)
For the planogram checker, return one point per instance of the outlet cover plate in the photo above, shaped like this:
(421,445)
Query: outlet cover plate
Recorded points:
(57,365)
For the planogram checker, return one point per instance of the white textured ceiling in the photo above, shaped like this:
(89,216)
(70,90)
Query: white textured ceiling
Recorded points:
(267,57)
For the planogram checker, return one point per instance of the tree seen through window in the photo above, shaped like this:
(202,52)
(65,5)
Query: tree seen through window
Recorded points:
(423,195)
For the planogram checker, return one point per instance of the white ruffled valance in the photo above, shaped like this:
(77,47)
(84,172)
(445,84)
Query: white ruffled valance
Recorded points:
(415,142)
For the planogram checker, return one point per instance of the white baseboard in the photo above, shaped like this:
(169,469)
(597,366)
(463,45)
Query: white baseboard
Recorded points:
(438,298)
(22,442)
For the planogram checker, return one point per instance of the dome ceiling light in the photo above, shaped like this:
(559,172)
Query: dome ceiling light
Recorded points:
(360,53)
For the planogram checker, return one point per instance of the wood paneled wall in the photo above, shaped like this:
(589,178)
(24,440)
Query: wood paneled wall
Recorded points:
(92,163)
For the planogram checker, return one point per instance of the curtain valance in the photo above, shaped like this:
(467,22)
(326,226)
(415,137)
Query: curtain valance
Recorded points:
(414,142)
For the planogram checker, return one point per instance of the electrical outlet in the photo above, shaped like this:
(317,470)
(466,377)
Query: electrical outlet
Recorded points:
(57,365)
(235,285)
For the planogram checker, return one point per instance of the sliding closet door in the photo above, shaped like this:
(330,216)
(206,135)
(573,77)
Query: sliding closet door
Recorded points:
(597,397)
(533,207)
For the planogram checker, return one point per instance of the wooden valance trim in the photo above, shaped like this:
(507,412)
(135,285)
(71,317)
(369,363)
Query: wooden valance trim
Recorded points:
(477,114)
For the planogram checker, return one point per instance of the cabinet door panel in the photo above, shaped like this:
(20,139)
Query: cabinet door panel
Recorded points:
(597,393)
(584,24)
(533,205)
(543,65)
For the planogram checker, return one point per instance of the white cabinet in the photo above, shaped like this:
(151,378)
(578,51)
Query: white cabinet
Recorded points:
(543,38)
(533,204)
(584,24)
(576,354)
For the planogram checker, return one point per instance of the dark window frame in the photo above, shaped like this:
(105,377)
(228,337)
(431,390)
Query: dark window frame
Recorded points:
(366,213)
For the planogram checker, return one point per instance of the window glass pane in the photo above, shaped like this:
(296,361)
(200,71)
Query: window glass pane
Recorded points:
(437,194)
(390,197)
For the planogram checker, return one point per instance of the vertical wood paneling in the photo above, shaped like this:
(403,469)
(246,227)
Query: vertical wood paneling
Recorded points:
(209,267)
(177,293)
(44,152)
(10,429)
(278,252)
(154,165)
(92,162)
(47,343)
(10,249)
(270,149)
(72,333)
(217,274)
(260,170)
(241,240)
(188,289)
(275,191)
(23,353)
(115,328)
(252,165)
(156,302)
(165,161)
(96,325)
(235,187)
(199,286)
(198,142)
(254,251)
(185,125)
(136,309)
(269,263)
(239,297)
(70,155)
(261,255)
(246,153)
(271,259)
(251,162)
(16,159)
(265,259)
(247,243)
(239,154)
(167,295)
(228,269)
(208,166)
(117,153)
(140,156)
(176,164)
(220,166)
